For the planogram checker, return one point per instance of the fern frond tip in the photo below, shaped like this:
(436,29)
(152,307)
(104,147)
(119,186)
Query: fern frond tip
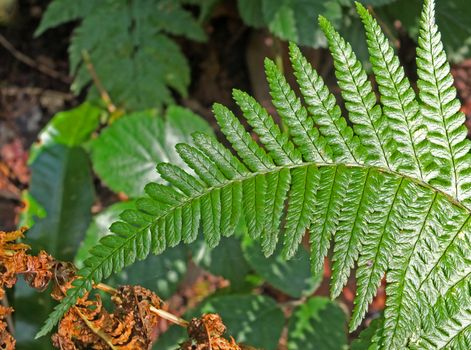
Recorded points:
(362,11)
(325,24)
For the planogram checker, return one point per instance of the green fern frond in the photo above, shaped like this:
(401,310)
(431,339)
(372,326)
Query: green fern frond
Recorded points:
(279,147)
(360,100)
(301,127)
(370,189)
(351,227)
(400,107)
(441,110)
(324,110)
(449,324)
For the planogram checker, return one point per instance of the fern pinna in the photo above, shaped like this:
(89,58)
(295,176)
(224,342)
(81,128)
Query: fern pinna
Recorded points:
(392,192)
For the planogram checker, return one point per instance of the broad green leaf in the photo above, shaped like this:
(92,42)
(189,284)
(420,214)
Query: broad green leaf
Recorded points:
(73,127)
(70,128)
(296,20)
(291,19)
(61,182)
(126,152)
(318,324)
(292,277)
(251,12)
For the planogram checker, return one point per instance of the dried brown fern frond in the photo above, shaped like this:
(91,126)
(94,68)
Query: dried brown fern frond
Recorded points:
(131,326)
(206,333)
(14,261)
(7,341)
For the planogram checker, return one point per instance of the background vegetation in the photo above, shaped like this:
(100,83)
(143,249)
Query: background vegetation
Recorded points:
(95,94)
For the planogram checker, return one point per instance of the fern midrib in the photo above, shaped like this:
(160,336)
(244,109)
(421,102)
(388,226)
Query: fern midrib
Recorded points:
(445,251)
(384,156)
(92,270)
(431,24)
(271,170)
(403,280)
(328,112)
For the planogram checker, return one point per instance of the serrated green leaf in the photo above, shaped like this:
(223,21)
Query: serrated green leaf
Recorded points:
(251,12)
(313,147)
(360,100)
(441,110)
(131,39)
(400,106)
(324,110)
(62,11)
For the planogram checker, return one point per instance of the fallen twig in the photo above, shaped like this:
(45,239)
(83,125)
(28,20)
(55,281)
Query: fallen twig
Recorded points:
(32,63)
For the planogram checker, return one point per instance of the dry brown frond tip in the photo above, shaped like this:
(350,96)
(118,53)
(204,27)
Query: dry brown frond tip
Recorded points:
(206,333)
(131,326)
